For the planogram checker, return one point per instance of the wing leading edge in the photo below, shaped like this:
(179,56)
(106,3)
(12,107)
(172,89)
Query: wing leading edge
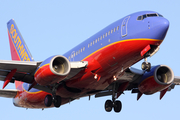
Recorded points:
(26,69)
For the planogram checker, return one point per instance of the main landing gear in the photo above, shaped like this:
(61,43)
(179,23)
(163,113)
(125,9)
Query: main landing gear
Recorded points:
(116,104)
(56,100)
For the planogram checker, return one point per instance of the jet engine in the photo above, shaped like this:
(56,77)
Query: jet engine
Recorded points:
(157,79)
(52,70)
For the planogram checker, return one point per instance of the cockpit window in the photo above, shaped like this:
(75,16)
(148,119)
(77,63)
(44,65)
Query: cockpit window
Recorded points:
(160,15)
(148,15)
(152,15)
(139,18)
(144,16)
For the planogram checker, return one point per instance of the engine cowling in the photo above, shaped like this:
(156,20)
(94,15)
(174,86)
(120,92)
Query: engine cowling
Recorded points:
(159,78)
(52,70)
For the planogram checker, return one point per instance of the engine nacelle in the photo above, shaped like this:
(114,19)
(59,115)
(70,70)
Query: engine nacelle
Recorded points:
(52,70)
(159,78)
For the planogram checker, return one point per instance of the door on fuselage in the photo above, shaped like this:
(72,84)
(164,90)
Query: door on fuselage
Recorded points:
(124,31)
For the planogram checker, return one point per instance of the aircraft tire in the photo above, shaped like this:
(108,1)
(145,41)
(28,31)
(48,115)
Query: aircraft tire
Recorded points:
(108,105)
(117,106)
(146,66)
(57,101)
(48,100)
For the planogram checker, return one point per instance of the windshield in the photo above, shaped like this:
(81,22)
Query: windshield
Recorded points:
(148,15)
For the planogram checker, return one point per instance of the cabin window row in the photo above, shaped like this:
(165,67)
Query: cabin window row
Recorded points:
(73,54)
(103,36)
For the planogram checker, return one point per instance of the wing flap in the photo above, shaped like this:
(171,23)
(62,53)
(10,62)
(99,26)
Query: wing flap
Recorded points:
(21,66)
(177,80)
(76,67)
(8,93)
(25,70)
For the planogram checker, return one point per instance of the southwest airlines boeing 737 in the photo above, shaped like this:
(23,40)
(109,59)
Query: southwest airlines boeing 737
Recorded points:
(100,66)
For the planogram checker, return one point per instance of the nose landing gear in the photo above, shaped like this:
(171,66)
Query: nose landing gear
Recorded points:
(146,65)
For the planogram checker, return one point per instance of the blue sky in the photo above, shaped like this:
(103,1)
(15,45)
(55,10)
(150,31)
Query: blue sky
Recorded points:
(53,27)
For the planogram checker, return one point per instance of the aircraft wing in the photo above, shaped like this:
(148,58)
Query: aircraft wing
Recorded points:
(176,82)
(8,93)
(24,73)
(26,69)
(130,81)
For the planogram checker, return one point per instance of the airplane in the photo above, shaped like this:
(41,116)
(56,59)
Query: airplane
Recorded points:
(100,66)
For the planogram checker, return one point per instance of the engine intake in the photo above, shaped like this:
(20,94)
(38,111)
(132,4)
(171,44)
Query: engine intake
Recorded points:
(52,70)
(60,65)
(159,78)
(164,75)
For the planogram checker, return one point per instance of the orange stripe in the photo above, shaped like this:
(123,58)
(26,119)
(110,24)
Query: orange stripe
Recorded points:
(141,39)
(40,68)
(31,92)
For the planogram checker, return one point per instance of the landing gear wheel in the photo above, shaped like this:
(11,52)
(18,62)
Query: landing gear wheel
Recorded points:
(146,66)
(57,101)
(48,100)
(117,106)
(108,105)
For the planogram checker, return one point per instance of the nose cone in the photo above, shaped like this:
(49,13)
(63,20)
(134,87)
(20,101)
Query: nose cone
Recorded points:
(161,27)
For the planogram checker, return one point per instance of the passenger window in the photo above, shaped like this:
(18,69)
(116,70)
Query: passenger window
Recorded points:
(114,29)
(88,45)
(106,34)
(76,53)
(83,48)
(111,31)
(101,38)
(96,41)
(91,44)
(117,27)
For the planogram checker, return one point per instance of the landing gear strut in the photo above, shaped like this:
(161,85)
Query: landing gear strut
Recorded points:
(146,65)
(55,99)
(116,104)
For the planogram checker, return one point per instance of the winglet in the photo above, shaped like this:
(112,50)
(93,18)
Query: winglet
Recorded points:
(19,49)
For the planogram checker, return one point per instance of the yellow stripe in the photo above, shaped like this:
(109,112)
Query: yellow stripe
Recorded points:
(40,67)
(145,39)
(14,47)
(31,92)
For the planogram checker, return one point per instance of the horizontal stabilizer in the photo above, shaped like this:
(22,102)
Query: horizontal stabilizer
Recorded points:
(8,93)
